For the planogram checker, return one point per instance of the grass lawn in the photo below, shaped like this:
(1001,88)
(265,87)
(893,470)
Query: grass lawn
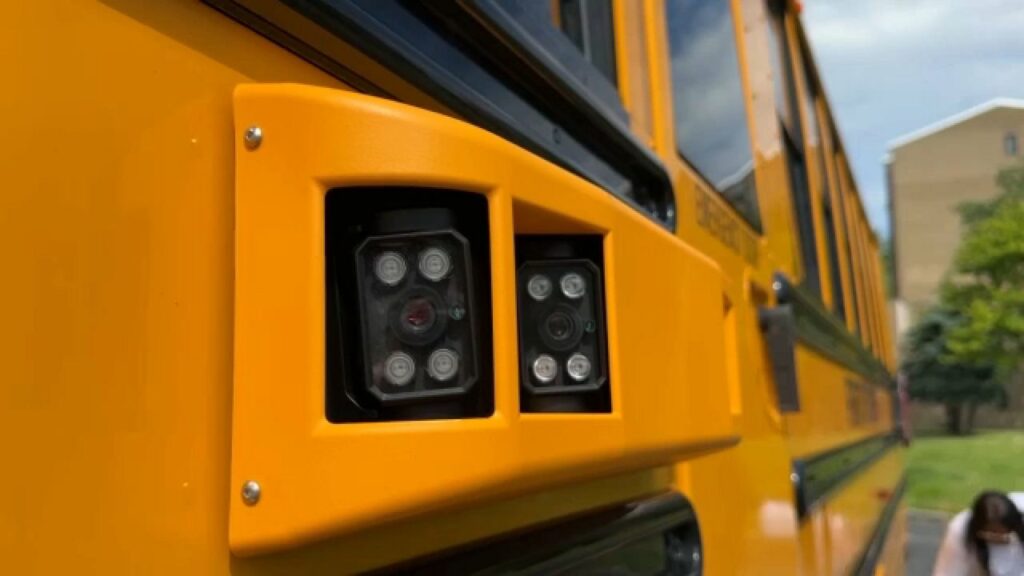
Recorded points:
(946,472)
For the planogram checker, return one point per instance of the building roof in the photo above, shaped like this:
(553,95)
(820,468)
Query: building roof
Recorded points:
(955,119)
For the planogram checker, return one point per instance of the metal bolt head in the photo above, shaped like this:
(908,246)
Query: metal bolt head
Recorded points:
(253,137)
(251,492)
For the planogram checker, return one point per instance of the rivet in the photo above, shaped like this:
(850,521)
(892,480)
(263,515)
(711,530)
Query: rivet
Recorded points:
(776,285)
(253,137)
(251,492)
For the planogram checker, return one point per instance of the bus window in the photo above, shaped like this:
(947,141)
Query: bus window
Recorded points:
(849,219)
(815,141)
(789,122)
(841,192)
(589,25)
(710,113)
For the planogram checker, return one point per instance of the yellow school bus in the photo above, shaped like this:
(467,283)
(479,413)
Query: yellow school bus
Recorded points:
(460,286)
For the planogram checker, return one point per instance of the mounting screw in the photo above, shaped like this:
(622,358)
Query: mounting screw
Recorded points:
(776,285)
(253,137)
(251,492)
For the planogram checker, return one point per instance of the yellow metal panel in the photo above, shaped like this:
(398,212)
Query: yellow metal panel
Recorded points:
(853,512)
(633,70)
(116,223)
(117,232)
(823,421)
(772,184)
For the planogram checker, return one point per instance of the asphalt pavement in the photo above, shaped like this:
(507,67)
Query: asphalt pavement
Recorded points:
(926,531)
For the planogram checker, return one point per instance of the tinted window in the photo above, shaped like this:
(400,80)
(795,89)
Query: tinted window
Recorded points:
(847,222)
(815,144)
(838,293)
(710,113)
(588,23)
(782,69)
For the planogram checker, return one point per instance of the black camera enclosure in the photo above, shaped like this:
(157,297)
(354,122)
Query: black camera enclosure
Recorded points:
(562,330)
(408,306)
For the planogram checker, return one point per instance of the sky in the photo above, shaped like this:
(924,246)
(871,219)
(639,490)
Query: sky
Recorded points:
(893,66)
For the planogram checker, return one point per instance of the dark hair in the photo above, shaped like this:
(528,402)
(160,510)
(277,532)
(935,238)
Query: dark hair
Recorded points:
(988,508)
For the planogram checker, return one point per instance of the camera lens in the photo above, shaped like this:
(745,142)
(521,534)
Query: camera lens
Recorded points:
(419,317)
(561,328)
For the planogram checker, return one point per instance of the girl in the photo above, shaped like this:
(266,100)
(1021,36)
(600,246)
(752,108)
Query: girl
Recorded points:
(987,540)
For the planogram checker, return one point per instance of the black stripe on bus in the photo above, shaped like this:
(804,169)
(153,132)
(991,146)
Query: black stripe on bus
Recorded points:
(667,524)
(816,477)
(873,553)
(820,330)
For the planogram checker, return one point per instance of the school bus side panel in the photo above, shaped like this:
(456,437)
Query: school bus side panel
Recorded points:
(116,235)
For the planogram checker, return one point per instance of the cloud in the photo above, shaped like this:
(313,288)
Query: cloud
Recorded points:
(892,66)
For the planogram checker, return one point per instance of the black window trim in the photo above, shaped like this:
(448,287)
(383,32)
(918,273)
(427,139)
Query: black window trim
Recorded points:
(819,329)
(817,477)
(566,543)
(556,109)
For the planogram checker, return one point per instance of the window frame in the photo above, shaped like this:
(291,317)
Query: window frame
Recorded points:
(849,219)
(794,150)
(812,105)
(592,15)
(756,223)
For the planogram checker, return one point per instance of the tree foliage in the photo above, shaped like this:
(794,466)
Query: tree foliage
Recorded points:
(987,280)
(934,376)
(962,349)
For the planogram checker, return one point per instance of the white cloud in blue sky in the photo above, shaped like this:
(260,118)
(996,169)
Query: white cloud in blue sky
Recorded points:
(893,66)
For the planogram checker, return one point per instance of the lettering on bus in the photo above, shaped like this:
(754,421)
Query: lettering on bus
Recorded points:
(861,403)
(724,226)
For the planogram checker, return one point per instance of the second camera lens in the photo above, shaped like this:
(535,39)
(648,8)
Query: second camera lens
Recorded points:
(561,328)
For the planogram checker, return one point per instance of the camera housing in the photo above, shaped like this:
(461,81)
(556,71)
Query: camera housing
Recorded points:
(562,335)
(413,321)
(408,305)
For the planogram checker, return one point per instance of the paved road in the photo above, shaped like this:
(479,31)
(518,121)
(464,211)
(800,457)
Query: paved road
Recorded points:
(926,531)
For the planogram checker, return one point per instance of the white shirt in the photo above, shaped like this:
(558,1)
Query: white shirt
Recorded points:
(956,560)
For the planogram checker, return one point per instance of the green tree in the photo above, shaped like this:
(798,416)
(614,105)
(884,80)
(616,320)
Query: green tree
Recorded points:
(987,280)
(935,376)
